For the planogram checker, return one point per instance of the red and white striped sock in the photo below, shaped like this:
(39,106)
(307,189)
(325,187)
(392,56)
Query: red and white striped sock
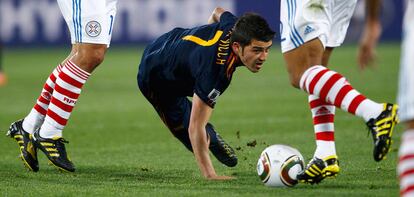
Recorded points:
(406,164)
(67,90)
(323,115)
(333,88)
(37,115)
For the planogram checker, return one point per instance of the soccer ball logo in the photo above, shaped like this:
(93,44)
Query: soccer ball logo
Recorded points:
(279,165)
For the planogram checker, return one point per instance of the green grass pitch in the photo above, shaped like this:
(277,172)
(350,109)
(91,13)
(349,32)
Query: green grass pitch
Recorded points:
(120,146)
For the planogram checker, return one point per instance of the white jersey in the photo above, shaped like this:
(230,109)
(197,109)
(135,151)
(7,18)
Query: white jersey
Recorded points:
(89,21)
(406,84)
(304,20)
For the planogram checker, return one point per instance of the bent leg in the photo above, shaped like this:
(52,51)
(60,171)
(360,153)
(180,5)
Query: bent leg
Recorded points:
(35,118)
(68,87)
(175,113)
(89,56)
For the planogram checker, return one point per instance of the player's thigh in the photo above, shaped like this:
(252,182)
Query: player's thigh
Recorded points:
(89,21)
(177,111)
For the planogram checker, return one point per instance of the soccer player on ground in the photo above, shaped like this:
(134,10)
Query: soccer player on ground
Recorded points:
(405,91)
(90,24)
(199,63)
(310,30)
(3,77)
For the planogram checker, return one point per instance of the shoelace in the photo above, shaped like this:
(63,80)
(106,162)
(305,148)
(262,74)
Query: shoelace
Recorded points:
(311,163)
(226,147)
(60,143)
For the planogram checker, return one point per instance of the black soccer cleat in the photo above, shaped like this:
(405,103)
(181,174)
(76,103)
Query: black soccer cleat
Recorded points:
(220,149)
(319,169)
(28,152)
(55,151)
(381,129)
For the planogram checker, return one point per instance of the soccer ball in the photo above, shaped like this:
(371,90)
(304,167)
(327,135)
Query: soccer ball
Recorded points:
(279,165)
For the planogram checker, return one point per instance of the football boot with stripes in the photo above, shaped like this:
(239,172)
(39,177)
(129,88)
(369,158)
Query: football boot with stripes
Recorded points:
(28,152)
(55,151)
(381,129)
(319,169)
(220,149)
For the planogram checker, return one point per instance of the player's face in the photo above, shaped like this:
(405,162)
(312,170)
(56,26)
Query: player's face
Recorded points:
(254,55)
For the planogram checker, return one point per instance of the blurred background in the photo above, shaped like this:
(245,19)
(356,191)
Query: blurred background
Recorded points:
(39,22)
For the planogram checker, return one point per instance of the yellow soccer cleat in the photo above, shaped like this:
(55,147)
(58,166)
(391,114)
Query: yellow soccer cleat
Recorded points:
(381,129)
(55,151)
(319,169)
(28,152)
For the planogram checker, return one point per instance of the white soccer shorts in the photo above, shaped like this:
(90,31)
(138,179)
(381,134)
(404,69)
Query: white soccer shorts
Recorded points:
(89,21)
(405,96)
(305,20)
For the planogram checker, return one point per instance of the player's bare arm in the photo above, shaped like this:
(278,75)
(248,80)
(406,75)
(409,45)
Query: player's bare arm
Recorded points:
(370,36)
(215,16)
(200,114)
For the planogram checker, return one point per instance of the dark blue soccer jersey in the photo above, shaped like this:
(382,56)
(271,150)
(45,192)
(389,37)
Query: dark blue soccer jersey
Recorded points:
(187,61)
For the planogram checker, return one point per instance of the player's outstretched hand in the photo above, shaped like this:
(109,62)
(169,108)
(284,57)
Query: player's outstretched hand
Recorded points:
(220,178)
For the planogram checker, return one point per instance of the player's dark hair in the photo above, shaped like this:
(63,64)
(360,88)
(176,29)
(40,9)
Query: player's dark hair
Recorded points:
(251,26)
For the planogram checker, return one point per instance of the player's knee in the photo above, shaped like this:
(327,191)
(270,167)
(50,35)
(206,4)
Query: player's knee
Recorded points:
(95,57)
(294,80)
(295,73)
(91,56)
(312,53)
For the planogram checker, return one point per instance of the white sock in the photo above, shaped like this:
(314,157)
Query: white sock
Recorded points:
(374,112)
(50,130)
(33,121)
